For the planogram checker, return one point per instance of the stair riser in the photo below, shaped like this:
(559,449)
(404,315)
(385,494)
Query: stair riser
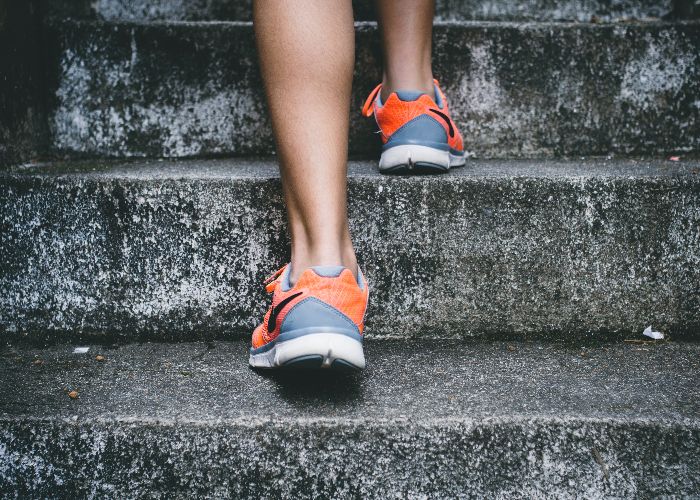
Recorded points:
(515,90)
(553,458)
(537,10)
(458,256)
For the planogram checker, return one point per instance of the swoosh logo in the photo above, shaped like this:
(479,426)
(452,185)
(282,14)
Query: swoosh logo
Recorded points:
(447,120)
(272,320)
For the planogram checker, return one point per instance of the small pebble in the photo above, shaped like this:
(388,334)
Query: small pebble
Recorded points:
(73,394)
(100,357)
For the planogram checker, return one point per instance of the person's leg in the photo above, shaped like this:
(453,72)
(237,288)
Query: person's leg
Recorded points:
(306,51)
(406,28)
(316,316)
(417,131)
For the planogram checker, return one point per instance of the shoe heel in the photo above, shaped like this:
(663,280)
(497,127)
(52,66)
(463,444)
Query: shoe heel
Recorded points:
(321,350)
(414,158)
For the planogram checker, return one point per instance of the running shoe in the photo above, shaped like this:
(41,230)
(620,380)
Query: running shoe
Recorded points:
(418,134)
(316,323)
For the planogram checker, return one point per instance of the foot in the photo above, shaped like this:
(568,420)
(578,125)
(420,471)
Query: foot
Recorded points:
(417,132)
(317,323)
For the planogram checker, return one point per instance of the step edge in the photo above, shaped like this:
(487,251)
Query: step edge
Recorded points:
(252,421)
(364,26)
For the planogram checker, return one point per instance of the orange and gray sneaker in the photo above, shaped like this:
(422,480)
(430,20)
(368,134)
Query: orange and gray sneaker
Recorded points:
(316,323)
(418,134)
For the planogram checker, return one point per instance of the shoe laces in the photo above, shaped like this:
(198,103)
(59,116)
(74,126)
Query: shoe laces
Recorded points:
(368,107)
(272,282)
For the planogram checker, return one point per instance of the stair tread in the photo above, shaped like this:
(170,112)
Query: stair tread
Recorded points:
(258,168)
(415,382)
(447,419)
(448,23)
(599,10)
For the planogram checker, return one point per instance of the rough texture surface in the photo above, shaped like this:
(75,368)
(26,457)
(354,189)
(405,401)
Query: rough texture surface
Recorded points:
(516,90)
(535,10)
(446,420)
(23,121)
(173,250)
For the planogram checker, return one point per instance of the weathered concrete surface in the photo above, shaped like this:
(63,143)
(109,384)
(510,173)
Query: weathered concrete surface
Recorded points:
(23,121)
(174,250)
(444,420)
(532,10)
(516,90)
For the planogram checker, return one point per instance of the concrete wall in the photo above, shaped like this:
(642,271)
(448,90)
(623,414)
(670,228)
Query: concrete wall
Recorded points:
(22,115)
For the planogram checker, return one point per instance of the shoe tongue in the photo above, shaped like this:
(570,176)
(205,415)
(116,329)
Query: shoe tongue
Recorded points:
(409,95)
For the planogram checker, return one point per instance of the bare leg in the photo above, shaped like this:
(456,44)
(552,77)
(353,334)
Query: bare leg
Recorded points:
(307,52)
(407,29)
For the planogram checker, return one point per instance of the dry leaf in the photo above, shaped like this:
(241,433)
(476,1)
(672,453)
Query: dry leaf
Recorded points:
(73,394)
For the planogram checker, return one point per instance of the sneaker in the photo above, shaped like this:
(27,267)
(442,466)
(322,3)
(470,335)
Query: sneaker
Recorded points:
(418,135)
(317,323)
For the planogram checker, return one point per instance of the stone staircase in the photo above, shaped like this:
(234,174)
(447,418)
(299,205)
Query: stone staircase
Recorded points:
(140,211)
(126,89)
(427,419)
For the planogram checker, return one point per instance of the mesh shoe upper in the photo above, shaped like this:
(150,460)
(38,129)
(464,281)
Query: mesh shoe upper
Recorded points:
(396,113)
(342,292)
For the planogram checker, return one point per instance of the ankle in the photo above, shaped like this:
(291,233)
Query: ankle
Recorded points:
(422,83)
(303,260)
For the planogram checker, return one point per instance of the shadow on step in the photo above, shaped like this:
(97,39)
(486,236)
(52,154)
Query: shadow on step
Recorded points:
(301,387)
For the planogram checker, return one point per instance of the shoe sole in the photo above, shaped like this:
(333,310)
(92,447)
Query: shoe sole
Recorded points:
(323,350)
(415,159)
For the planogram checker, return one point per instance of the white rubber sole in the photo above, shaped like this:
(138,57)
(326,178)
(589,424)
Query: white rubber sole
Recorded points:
(314,350)
(410,157)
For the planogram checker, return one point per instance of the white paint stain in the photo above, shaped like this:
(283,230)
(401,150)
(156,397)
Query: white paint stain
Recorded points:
(662,71)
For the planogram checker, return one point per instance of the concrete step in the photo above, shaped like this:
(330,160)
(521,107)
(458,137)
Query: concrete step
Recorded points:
(425,420)
(179,250)
(501,10)
(516,89)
